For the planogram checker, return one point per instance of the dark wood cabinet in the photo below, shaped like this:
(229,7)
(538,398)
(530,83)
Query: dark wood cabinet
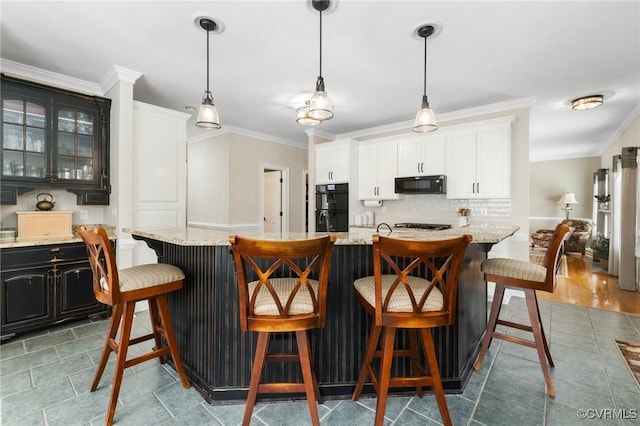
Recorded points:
(53,138)
(45,285)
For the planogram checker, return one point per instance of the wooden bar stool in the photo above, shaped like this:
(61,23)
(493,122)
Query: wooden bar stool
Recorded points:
(527,277)
(282,287)
(396,297)
(121,290)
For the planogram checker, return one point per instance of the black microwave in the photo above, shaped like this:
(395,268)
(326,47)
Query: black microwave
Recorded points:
(436,184)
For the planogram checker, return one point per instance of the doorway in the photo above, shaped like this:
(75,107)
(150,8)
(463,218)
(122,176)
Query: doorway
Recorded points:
(275,199)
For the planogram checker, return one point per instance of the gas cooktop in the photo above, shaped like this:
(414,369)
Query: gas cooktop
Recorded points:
(434,226)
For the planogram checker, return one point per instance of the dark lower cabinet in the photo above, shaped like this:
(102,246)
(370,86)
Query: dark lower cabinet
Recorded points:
(42,286)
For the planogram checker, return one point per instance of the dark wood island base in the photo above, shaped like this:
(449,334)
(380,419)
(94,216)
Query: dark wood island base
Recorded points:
(217,355)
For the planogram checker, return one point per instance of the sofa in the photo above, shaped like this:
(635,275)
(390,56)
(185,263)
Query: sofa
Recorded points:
(577,242)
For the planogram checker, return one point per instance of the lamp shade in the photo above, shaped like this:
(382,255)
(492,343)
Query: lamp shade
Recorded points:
(568,198)
(208,114)
(425,121)
(320,106)
(302,116)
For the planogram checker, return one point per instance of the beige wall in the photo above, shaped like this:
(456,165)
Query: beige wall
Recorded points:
(225,175)
(549,179)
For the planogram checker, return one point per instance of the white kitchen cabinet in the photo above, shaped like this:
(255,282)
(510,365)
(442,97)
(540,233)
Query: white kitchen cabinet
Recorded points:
(423,156)
(332,162)
(478,161)
(377,170)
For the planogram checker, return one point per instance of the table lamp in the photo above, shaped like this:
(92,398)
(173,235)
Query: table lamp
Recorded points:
(568,198)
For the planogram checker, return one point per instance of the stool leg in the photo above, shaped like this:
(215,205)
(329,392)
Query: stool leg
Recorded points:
(385,374)
(544,337)
(307,375)
(256,372)
(116,316)
(536,325)
(415,360)
(165,317)
(365,370)
(434,370)
(125,335)
(155,323)
(496,304)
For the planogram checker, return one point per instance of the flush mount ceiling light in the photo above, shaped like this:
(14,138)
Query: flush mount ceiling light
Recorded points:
(587,102)
(320,105)
(207,113)
(426,118)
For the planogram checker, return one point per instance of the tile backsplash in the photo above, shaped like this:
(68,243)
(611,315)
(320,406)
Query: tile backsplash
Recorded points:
(438,209)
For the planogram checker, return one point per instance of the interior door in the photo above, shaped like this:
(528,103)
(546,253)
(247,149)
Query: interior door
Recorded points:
(273,201)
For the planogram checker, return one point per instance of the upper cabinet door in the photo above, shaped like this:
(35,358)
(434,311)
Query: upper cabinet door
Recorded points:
(25,137)
(479,161)
(422,156)
(377,170)
(493,165)
(332,162)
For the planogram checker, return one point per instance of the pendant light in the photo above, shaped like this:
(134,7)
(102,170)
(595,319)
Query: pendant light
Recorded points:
(302,116)
(320,104)
(425,119)
(207,113)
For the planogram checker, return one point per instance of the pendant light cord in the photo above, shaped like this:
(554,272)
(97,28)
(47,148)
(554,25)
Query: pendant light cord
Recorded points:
(424,93)
(321,43)
(208,61)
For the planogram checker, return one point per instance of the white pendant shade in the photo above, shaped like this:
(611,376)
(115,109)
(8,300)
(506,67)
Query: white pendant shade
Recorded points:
(320,106)
(208,116)
(425,121)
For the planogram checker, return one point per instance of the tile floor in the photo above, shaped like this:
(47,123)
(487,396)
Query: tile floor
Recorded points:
(45,377)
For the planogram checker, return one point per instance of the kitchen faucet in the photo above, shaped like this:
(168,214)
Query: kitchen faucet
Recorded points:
(385,224)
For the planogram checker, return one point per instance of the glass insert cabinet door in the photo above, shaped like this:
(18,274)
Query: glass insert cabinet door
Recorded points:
(24,138)
(76,139)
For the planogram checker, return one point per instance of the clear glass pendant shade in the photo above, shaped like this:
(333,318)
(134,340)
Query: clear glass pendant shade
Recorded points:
(425,121)
(207,113)
(320,106)
(302,116)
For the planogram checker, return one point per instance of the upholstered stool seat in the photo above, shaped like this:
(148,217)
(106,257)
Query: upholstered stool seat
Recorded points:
(529,278)
(121,289)
(400,301)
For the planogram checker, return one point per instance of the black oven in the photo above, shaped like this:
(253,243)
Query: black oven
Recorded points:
(332,207)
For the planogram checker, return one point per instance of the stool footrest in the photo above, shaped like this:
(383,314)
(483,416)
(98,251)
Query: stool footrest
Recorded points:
(149,355)
(281,388)
(513,339)
(515,325)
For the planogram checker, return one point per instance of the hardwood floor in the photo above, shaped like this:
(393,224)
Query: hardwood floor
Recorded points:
(588,286)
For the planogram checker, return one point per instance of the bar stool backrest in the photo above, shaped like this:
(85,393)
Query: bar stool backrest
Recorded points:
(442,260)
(106,285)
(303,263)
(561,233)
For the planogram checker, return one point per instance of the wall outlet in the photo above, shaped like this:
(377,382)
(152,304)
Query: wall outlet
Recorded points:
(84,214)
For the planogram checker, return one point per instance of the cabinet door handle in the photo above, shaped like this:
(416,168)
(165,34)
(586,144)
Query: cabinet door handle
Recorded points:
(473,188)
(478,187)
(418,167)
(421,167)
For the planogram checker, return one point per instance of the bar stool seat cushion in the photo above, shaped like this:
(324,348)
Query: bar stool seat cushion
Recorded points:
(145,276)
(301,304)
(513,268)
(400,301)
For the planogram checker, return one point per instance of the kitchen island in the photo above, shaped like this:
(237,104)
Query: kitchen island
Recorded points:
(217,355)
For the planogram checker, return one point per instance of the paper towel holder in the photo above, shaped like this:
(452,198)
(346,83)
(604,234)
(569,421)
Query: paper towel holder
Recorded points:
(373,203)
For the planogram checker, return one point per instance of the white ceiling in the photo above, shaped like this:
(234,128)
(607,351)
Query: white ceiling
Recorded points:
(264,63)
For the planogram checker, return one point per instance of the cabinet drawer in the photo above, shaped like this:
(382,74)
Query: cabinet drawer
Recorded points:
(18,257)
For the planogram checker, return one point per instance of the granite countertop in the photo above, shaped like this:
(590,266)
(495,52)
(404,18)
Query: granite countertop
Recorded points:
(190,236)
(111,231)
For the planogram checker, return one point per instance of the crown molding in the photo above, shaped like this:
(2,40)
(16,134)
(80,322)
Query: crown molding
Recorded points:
(249,133)
(114,75)
(320,133)
(154,109)
(633,115)
(445,117)
(50,78)
(117,74)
